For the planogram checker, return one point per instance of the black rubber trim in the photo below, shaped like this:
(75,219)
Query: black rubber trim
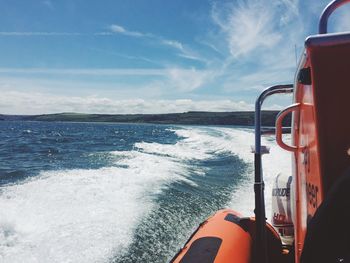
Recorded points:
(232,218)
(188,240)
(304,76)
(203,250)
(238,221)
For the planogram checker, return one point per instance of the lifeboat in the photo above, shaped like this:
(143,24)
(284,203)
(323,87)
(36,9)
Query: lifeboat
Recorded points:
(311,208)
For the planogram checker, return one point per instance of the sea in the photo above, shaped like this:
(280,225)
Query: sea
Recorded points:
(112,193)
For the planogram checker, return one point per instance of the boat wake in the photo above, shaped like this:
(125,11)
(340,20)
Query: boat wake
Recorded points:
(94,215)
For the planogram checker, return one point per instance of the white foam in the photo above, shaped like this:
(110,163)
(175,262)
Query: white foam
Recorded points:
(80,215)
(89,215)
(196,145)
(277,161)
(204,142)
(238,141)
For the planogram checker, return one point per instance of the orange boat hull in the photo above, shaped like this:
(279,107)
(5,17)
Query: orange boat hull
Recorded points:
(218,239)
(227,237)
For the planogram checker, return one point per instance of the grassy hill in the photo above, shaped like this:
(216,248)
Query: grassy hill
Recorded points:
(244,118)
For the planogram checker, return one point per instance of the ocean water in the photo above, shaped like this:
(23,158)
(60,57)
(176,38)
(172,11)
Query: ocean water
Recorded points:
(88,192)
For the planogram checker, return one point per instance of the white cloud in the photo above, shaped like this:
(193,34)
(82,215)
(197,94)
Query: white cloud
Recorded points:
(186,80)
(117,29)
(30,34)
(254,47)
(19,102)
(167,80)
(173,43)
(293,11)
(114,29)
(255,26)
(48,3)
(260,38)
(121,30)
(341,19)
(185,52)
(210,45)
(87,71)
(130,57)
(248,26)
(315,7)
(192,57)
(257,80)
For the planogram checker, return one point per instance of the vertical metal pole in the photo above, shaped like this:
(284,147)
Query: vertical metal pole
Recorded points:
(260,214)
(260,241)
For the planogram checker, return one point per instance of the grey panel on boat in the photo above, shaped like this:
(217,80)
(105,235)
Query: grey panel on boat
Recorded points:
(232,218)
(203,250)
(242,222)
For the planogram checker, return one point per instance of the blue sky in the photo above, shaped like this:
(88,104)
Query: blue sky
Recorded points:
(150,56)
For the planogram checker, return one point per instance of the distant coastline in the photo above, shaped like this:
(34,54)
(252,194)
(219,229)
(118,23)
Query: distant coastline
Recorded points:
(243,118)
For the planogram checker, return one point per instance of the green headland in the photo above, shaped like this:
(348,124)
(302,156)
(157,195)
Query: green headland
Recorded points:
(243,118)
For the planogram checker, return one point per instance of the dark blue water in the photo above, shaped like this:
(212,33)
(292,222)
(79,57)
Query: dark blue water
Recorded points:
(27,148)
(92,192)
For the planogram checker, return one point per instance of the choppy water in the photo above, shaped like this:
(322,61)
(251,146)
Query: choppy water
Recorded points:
(85,192)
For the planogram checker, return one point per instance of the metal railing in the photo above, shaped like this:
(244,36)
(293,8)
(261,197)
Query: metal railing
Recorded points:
(260,214)
(322,26)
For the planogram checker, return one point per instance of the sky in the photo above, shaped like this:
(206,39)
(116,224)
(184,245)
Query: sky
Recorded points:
(151,56)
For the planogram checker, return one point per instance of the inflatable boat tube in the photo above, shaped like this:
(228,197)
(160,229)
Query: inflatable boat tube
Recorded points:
(220,239)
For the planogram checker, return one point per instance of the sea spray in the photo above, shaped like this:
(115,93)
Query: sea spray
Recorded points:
(157,186)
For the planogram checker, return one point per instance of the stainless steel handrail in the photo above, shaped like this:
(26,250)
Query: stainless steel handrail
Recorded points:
(322,26)
(260,214)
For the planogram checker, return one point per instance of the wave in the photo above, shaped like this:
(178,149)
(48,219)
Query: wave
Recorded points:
(277,161)
(85,215)
(80,215)
(205,142)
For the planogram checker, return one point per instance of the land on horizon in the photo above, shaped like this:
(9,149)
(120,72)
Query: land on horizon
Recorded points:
(243,118)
